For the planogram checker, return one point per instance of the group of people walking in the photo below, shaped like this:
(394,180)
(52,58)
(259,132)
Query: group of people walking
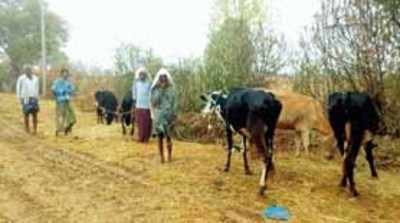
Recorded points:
(28,95)
(155,108)
(155,104)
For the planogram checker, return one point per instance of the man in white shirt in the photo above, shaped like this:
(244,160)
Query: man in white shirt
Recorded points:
(28,95)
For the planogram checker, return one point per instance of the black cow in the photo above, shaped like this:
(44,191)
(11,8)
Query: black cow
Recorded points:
(253,114)
(354,119)
(127,113)
(106,106)
(98,96)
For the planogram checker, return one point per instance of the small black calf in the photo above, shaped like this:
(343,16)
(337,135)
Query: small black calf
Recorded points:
(106,106)
(127,113)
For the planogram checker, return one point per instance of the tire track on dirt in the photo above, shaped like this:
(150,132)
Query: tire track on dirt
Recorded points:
(66,165)
(107,187)
(71,159)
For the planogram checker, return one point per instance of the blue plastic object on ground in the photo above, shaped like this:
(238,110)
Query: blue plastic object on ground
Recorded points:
(277,213)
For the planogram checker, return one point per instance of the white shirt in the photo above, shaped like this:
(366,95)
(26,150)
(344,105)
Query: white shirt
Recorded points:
(141,93)
(27,88)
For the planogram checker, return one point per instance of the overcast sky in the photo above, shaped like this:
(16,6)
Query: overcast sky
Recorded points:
(173,28)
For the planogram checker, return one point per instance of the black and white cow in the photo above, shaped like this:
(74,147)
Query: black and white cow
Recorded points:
(106,106)
(354,119)
(253,114)
(127,113)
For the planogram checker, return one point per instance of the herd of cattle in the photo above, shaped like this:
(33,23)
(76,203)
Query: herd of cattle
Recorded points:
(255,114)
(108,110)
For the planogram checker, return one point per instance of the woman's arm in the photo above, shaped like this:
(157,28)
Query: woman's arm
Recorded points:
(155,98)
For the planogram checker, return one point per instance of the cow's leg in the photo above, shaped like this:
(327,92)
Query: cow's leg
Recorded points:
(355,143)
(123,125)
(339,130)
(229,139)
(169,147)
(245,160)
(161,147)
(341,143)
(370,157)
(305,138)
(297,142)
(268,159)
(263,177)
(246,164)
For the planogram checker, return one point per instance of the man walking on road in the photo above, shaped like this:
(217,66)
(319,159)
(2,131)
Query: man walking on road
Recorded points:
(63,90)
(28,95)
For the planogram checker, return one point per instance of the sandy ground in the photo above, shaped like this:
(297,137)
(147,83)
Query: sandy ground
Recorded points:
(98,175)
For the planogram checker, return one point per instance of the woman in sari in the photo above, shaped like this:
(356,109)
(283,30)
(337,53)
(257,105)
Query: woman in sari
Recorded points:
(163,110)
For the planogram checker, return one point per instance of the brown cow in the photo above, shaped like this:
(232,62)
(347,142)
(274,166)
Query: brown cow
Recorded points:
(304,114)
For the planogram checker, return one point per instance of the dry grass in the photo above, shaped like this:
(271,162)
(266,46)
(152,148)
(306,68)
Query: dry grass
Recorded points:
(122,181)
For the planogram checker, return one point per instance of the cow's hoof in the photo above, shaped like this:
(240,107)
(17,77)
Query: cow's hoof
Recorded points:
(375,176)
(262,190)
(354,193)
(226,169)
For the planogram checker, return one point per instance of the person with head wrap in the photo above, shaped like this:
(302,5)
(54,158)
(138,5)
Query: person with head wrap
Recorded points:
(141,94)
(63,90)
(163,110)
(28,95)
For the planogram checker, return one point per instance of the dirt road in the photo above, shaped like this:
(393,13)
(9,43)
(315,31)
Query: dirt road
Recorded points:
(97,175)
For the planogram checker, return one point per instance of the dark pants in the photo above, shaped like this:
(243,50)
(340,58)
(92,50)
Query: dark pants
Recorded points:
(30,107)
(143,119)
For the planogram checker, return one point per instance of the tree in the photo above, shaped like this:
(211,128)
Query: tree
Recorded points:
(393,8)
(230,55)
(352,46)
(270,51)
(20,36)
(128,58)
(240,45)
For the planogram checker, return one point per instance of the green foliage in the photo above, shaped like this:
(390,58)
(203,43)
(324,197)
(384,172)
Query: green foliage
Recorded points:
(3,73)
(240,47)
(230,55)
(20,36)
(353,45)
(188,75)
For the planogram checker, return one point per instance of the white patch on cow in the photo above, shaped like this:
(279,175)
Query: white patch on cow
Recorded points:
(263,173)
(212,108)
(347,131)
(218,112)
(245,132)
(207,109)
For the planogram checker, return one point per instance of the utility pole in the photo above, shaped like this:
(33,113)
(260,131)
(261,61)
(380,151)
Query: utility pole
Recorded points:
(43,35)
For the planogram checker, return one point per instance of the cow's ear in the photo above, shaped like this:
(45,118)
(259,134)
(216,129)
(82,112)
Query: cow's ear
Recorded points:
(203,97)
